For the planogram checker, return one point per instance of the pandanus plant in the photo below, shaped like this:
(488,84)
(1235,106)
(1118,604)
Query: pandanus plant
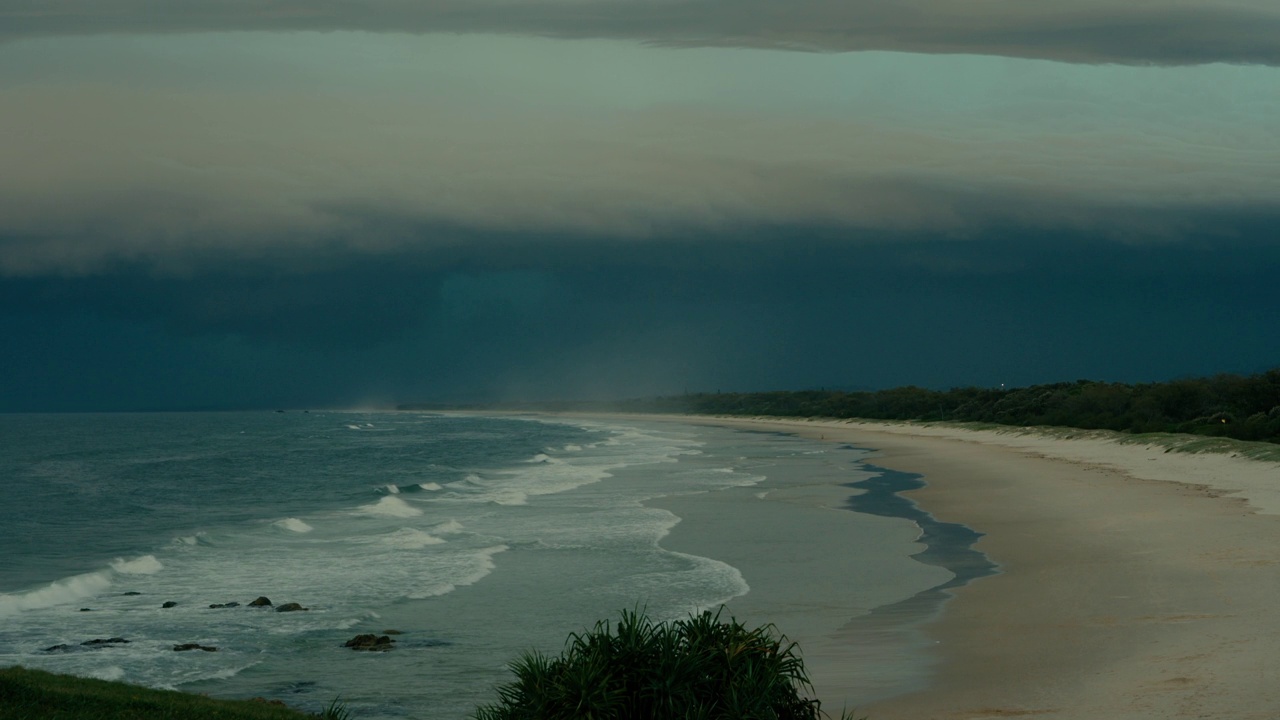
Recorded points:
(700,668)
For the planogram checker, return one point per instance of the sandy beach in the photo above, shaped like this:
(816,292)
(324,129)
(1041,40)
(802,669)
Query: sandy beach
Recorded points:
(1135,583)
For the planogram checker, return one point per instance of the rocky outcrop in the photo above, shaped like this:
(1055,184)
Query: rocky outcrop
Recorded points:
(371,642)
(107,641)
(89,644)
(290,607)
(194,646)
(131,592)
(231,604)
(262,601)
(169,604)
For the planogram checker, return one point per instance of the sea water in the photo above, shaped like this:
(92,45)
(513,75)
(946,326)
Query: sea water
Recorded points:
(475,538)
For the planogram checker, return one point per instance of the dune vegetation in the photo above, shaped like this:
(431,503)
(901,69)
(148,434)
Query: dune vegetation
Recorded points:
(1240,407)
(700,668)
(38,695)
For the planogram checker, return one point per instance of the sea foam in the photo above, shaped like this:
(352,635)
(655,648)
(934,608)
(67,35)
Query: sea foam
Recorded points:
(60,592)
(390,506)
(293,525)
(145,565)
(410,539)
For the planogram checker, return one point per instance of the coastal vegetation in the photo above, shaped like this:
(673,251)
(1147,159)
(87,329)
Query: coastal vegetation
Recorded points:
(701,667)
(1243,407)
(27,694)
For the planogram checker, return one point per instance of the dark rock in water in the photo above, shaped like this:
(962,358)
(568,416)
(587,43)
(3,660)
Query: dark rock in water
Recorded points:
(290,607)
(131,592)
(370,642)
(392,632)
(57,648)
(169,604)
(194,646)
(107,641)
(86,609)
(231,604)
(262,601)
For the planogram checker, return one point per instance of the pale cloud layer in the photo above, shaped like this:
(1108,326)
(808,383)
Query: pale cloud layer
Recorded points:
(165,149)
(1090,31)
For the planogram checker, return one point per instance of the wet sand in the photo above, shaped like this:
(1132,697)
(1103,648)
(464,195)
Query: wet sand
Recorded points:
(1134,583)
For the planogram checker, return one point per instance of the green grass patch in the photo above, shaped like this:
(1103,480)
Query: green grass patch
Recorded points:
(39,695)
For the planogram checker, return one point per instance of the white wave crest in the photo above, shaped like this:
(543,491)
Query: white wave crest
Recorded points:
(410,539)
(509,496)
(59,592)
(392,488)
(145,565)
(390,506)
(429,486)
(293,525)
(451,526)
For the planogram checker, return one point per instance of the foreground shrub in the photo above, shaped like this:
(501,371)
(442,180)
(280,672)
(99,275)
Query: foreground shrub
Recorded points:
(700,668)
(35,694)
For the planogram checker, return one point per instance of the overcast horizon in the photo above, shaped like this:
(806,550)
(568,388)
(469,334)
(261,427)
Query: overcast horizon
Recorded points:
(261,205)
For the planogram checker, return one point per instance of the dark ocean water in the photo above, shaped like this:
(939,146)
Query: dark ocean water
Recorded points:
(477,538)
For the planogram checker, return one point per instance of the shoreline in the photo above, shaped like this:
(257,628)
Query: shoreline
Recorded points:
(1135,583)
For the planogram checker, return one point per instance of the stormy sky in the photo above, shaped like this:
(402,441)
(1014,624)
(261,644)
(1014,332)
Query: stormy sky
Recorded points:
(222,204)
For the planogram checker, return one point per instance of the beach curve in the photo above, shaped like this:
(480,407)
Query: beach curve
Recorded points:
(1135,583)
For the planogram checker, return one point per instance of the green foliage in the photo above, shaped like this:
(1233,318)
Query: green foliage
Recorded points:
(28,694)
(1231,406)
(695,669)
(336,710)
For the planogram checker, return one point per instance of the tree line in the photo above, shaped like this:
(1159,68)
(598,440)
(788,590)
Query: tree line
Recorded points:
(1245,407)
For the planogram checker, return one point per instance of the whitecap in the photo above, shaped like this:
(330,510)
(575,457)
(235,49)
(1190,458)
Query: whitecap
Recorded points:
(58,592)
(451,526)
(509,496)
(430,486)
(392,488)
(145,565)
(389,506)
(293,525)
(410,539)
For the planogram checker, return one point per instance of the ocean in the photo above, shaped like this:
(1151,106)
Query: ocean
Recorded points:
(475,538)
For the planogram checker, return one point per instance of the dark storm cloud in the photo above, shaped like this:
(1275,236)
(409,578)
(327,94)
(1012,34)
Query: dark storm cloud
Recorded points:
(514,318)
(1089,31)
